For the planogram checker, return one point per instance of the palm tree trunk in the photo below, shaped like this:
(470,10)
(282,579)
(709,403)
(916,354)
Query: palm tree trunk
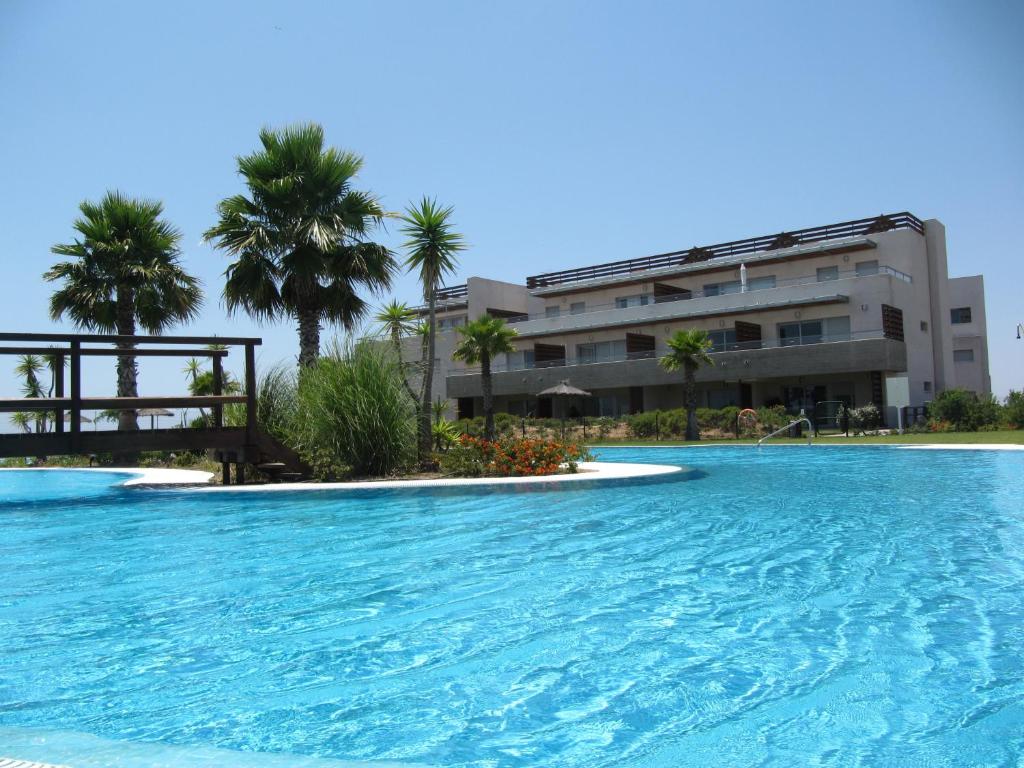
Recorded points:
(428,376)
(127,369)
(309,337)
(488,390)
(396,339)
(692,427)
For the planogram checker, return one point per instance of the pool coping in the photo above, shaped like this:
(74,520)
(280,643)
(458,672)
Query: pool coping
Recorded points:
(911,446)
(158,477)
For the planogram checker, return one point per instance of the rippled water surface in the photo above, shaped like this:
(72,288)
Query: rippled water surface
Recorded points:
(789,606)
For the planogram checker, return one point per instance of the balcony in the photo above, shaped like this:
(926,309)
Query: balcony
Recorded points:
(769,359)
(804,290)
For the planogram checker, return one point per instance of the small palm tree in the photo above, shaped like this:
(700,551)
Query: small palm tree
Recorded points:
(29,368)
(123,273)
(300,239)
(440,409)
(431,245)
(482,340)
(688,350)
(398,319)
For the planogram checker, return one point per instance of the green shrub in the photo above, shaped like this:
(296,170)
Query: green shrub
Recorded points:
(1013,411)
(865,418)
(963,410)
(512,457)
(352,413)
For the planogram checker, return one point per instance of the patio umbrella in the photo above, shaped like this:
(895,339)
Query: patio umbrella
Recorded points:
(82,418)
(154,413)
(564,389)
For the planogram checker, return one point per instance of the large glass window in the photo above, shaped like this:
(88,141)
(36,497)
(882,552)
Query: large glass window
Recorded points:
(960,315)
(639,300)
(865,268)
(577,308)
(827,273)
(601,351)
(814,331)
(837,328)
(517,361)
(723,341)
(447,323)
(552,311)
(718,289)
(761,283)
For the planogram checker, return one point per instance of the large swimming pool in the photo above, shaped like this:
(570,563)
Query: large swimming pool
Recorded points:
(789,606)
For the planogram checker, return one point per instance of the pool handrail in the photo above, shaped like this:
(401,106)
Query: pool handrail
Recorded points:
(810,430)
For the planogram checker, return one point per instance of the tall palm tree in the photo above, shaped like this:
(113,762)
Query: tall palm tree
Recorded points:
(688,350)
(124,273)
(431,247)
(300,238)
(398,319)
(482,340)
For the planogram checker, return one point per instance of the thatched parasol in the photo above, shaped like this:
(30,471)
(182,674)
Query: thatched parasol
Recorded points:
(154,413)
(563,389)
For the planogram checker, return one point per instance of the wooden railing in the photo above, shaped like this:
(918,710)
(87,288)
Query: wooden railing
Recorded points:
(67,396)
(855,228)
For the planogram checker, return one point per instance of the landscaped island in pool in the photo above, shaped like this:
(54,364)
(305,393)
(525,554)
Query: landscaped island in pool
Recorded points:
(783,606)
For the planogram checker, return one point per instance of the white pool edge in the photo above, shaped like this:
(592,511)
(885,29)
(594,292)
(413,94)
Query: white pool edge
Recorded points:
(198,480)
(910,446)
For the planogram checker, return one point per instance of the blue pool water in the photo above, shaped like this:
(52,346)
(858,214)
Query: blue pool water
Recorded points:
(790,606)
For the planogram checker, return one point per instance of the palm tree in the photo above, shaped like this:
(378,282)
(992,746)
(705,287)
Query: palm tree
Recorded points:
(29,368)
(688,350)
(432,246)
(299,240)
(124,273)
(482,340)
(396,320)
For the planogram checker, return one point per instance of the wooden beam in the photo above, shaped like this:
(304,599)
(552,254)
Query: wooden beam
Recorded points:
(114,403)
(115,339)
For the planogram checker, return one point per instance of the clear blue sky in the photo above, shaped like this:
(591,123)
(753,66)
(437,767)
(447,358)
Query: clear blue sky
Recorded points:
(563,133)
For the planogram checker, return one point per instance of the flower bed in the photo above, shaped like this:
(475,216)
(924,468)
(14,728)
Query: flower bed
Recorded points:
(511,457)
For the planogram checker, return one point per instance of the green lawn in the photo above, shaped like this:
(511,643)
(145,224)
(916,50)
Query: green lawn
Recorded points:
(1007,437)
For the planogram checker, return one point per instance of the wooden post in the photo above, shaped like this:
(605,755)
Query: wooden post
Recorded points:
(240,473)
(76,394)
(218,386)
(58,391)
(225,472)
(250,392)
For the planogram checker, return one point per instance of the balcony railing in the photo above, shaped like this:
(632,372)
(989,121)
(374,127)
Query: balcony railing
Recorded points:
(789,282)
(855,228)
(647,355)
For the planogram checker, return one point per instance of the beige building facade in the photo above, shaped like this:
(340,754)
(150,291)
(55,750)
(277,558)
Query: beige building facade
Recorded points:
(857,312)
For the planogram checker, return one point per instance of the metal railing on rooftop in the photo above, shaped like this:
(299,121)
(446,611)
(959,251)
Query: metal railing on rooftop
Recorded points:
(855,228)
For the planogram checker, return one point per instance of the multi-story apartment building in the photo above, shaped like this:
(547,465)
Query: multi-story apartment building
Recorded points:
(857,312)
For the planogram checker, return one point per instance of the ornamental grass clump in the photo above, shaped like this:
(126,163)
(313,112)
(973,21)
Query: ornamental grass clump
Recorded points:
(353,415)
(512,457)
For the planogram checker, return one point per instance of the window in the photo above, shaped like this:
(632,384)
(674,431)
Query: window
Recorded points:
(924,326)
(601,351)
(927,386)
(837,328)
(552,311)
(963,355)
(718,289)
(520,360)
(761,283)
(577,308)
(722,341)
(827,273)
(960,315)
(865,268)
(447,323)
(814,331)
(640,300)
